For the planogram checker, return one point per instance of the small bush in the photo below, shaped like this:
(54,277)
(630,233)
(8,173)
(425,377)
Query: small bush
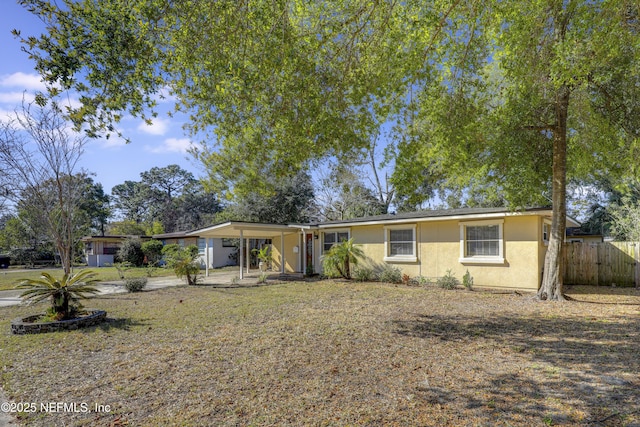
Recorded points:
(131,252)
(390,275)
(467,281)
(406,279)
(152,251)
(448,281)
(419,281)
(364,274)
(135,284)
(263,278)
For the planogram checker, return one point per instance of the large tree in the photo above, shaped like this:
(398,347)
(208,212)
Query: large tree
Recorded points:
(530,93)
(39,156)
(268,85)
(170,195)
(291,200)
(515,96)
(96,205)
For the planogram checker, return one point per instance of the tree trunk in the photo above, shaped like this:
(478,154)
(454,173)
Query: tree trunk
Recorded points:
(551,288)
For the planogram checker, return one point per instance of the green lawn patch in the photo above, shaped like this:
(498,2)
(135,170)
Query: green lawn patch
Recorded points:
(11,277)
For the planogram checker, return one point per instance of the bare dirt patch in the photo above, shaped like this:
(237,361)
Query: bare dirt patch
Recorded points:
(329,353)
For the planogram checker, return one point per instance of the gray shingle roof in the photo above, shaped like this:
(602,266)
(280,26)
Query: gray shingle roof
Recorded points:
(431,214)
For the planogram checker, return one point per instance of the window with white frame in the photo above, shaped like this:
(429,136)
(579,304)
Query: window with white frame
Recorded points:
(400,243)
(482,242)
(202,246)
(546,232)
(330,238)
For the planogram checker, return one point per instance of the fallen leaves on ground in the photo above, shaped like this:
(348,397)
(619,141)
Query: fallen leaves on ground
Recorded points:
(336,353)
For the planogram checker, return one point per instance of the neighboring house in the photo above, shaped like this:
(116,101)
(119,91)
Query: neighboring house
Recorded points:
(219,250)
(576,235)
(100,251)
(499,248)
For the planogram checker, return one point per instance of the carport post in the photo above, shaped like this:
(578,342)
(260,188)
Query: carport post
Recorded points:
(248,257)
(304,251)
(282,252)
(206,256)
(241,255)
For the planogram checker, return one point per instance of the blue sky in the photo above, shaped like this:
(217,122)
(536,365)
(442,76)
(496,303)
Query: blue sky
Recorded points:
(112,161)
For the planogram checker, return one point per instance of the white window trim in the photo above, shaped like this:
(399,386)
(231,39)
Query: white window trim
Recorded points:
(400,258)
(464,259)
(333,231)
(546,223)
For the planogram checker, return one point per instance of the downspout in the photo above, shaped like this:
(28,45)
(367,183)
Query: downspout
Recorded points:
(241,250)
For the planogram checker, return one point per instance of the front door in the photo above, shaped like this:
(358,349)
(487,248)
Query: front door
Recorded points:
(309,261)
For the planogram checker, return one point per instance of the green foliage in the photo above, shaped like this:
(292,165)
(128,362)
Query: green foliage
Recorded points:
(63,292)
(509,98)
(263,254)
(448,281)
(625,218)
(152,250)
(310,271)
(390,274)
(15,234)
(131,252)
(95,205)
(135,284)
(341,257)
(183,261)
(166,199)
(127,228)
(288,200)
(467,280)
(290,84)
(364,274)
(263,278)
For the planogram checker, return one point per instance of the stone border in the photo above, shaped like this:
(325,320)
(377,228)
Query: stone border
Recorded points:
(22,326)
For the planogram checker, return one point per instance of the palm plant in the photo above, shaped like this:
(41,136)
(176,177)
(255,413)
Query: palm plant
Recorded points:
(63,292)
(263,256)
(342,256)
(183,261)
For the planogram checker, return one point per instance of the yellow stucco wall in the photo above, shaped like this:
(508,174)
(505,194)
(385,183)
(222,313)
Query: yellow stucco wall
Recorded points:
(438,250)
(290,257)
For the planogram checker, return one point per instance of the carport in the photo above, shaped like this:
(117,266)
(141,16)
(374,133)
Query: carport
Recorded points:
(244,231)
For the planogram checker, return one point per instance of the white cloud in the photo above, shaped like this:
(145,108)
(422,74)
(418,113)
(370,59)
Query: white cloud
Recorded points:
(15,97)
(157,127)
(22,80)
(171,145)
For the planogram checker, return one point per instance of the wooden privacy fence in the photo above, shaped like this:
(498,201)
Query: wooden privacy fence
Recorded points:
(602,264)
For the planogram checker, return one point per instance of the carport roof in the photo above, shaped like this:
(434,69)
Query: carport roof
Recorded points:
(251,230)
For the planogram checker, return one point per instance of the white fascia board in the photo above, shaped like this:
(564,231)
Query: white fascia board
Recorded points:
(432,219)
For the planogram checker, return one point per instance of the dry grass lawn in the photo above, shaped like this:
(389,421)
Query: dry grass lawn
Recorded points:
(331,353)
